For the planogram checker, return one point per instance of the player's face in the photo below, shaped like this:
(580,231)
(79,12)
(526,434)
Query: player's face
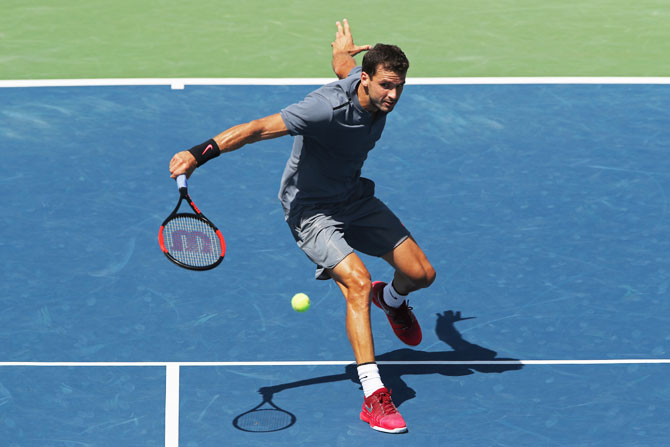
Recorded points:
(383,88)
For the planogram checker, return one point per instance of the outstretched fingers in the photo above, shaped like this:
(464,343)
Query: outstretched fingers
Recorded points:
(344,41)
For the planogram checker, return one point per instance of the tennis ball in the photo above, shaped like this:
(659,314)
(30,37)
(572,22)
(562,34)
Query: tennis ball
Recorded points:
(300,302)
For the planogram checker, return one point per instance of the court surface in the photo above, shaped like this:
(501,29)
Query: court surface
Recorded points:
(544,208)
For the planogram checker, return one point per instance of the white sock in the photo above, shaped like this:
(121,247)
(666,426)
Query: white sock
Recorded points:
(392,297)
(368,374)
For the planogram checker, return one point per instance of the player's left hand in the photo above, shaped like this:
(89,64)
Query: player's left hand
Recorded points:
(344,41)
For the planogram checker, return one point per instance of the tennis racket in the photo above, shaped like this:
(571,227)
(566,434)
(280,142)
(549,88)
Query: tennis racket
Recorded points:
(265,417)
(190,240)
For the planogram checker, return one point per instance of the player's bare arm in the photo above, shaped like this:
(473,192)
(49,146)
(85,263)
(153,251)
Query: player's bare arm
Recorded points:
(261,129)
(232,139)
(344,50)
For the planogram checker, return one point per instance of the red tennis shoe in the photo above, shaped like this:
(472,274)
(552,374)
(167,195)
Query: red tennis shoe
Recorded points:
(402,319)
(379,411)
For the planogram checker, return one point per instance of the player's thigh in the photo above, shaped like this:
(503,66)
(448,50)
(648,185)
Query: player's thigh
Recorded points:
(372,228)
(320,236)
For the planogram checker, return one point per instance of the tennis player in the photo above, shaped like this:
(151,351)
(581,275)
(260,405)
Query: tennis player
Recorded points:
(332,211)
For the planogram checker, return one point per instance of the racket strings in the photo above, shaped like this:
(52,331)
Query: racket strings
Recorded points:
(192,241)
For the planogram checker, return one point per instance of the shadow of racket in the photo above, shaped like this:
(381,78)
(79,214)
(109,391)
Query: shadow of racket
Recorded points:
(265,417)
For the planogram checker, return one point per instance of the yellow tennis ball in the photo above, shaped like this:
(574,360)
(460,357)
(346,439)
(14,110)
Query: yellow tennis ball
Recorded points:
(300,302)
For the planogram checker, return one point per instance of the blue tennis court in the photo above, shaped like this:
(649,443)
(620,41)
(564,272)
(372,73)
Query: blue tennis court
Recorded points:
(543,207)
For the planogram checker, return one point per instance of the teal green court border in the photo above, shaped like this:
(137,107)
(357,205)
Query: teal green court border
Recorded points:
(256,38)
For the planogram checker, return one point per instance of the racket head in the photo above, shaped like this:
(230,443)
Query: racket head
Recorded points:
(191,241)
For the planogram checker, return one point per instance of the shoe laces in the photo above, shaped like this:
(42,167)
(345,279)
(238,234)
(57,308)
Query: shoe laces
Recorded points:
(386,403)
(402,315)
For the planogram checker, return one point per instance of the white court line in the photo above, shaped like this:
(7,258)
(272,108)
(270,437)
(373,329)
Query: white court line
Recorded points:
(180,83)
(340,363)
(172,405)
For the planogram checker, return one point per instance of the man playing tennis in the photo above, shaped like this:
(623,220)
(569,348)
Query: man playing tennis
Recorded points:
(332,211)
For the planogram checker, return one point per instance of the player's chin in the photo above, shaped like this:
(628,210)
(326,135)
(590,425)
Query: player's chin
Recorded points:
(386,107)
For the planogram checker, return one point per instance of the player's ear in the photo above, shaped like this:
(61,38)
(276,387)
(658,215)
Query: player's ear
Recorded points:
(365,79)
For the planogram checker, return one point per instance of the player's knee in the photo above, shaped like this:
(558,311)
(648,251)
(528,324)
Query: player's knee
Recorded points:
(424,277)
(359,287)
(362,286)
(430,276)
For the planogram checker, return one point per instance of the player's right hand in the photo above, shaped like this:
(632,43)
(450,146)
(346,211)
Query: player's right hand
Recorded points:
(182,163)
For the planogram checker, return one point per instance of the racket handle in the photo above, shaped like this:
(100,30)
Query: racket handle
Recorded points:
(181,182)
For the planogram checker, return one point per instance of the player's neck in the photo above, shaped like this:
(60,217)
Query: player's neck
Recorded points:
(364,100)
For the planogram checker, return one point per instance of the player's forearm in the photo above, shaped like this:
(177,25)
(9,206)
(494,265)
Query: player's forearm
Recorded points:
(344,50)
(185,162)
(343,63)
(235,137)
(261,129)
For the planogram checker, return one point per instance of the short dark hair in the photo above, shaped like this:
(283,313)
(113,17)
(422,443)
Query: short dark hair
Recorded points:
(390,57)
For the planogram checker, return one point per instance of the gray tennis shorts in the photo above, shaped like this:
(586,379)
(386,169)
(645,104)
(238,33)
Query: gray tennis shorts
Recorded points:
(329,233)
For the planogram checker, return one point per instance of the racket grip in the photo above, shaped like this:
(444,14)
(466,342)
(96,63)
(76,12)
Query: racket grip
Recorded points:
(181,182)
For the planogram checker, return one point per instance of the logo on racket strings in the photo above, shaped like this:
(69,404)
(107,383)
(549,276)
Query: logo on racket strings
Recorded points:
(191,241)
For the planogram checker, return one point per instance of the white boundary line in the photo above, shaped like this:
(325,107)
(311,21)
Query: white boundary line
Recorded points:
(180,83)
(337,363)
(172,405)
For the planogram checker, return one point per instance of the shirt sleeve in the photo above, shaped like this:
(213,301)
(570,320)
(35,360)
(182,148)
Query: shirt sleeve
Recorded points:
(356,71)
(309,116)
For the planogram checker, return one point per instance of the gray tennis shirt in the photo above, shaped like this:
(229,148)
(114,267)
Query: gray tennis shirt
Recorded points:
(333,135)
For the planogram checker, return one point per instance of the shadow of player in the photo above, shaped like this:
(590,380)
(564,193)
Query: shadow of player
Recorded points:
(467,358)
